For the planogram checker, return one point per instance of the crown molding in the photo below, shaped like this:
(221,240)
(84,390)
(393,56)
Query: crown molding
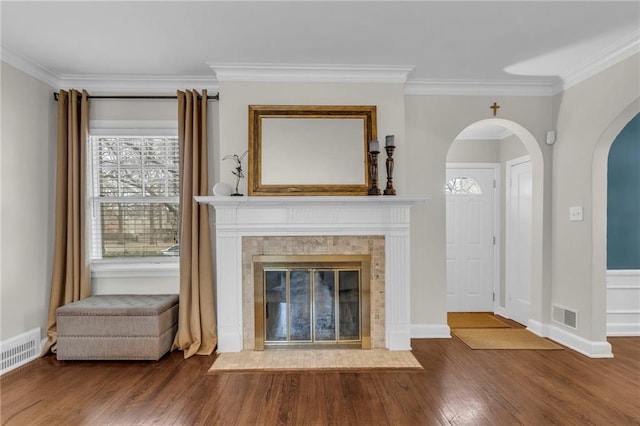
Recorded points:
(159,84)
(540,87)
(311,73)
(141,84)
(31,68)
(109,84)
(604,60)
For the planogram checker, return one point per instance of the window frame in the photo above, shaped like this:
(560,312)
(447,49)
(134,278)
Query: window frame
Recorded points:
(152,266)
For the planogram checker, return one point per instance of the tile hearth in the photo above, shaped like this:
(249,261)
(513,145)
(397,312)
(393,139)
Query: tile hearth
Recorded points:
(336,359)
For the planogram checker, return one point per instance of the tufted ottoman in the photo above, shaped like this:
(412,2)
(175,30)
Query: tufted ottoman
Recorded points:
(121,327)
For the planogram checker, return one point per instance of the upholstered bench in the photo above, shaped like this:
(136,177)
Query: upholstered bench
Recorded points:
(117,327)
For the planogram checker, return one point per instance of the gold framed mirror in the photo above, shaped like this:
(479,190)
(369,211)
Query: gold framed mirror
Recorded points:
(310,149)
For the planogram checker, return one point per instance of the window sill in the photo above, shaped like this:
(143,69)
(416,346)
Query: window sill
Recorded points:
(127,269)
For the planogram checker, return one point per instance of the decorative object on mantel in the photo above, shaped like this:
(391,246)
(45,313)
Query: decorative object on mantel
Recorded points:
(389,146)
(238,170)
(374,150)
(495,108)
(222,189)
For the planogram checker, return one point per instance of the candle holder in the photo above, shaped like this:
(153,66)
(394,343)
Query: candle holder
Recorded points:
(373,173)
(374,150)
(389,190)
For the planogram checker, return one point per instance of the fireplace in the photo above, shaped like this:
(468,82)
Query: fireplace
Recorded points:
(352,225)
(312,301)
(366,252)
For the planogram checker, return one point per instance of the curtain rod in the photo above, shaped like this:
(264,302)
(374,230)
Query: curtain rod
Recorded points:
(211,97)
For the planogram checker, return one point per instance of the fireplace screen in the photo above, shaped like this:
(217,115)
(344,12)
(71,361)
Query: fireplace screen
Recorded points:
(301,303)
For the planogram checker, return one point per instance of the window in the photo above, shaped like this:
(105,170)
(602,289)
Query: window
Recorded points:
(134,197)
(462,186)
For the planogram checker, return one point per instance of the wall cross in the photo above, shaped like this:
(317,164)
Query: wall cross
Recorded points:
(495,108)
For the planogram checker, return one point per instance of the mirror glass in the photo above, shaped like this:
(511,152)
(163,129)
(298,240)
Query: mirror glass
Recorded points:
(301,151)
(309,150)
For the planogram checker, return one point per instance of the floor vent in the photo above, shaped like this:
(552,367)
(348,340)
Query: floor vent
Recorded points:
(20,349)
(565,316)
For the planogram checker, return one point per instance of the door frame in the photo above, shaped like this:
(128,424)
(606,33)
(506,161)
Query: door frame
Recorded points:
(497,214)
(507,226)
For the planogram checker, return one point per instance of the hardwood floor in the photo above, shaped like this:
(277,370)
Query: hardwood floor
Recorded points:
(458,386)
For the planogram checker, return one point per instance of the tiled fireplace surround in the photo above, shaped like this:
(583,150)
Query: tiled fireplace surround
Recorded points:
(247,226)
(338,245)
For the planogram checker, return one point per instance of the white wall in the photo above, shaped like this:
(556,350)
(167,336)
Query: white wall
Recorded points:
(165,283)
(584,113)
(235,97)
(133,109)
(511,147)
(474,151)
(27,175)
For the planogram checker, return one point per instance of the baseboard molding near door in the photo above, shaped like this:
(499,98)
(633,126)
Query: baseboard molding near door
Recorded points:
(502,312)
(590,348)
(622,329)
(430,331)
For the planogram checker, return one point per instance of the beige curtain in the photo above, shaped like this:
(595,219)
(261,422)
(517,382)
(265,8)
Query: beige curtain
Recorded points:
(70,278)
(196,320)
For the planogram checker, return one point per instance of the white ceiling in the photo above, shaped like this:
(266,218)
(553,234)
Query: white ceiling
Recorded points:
(448,45)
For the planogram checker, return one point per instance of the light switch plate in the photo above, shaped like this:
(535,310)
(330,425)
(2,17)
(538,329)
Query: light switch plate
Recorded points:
(575,213)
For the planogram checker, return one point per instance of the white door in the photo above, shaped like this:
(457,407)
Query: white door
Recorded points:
(470,239)
(519,207)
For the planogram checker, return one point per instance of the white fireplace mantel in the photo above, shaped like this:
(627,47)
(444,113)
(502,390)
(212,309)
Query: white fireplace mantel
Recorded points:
(236,217)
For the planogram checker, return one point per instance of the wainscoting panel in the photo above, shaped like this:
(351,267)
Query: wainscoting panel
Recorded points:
(623,303)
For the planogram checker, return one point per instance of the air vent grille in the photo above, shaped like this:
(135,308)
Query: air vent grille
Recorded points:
(565,316)
(20,350)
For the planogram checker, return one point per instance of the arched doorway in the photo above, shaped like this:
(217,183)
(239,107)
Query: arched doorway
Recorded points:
(599,206)
(528,150)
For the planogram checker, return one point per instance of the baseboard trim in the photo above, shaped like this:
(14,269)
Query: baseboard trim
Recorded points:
(620,329)
(502,312)
(430,331)
(538,328)
(586,347)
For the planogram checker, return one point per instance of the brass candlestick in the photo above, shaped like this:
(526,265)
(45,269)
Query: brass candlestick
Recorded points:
(373,173)
(389,190)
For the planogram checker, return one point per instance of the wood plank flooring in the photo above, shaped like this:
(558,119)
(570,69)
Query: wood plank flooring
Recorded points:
(458,386)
